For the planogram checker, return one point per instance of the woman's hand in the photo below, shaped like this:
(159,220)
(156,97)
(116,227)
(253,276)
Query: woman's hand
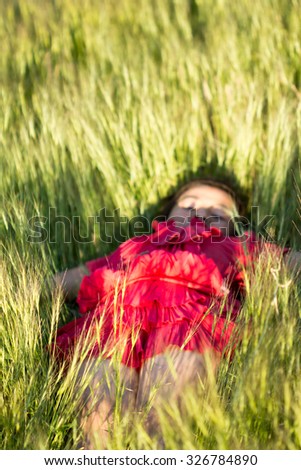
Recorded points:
(70,280)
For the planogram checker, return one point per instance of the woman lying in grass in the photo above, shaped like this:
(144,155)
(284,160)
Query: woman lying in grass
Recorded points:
(167,301)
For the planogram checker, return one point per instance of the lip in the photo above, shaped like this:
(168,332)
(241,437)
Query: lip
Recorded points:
(188,220)
(195,220)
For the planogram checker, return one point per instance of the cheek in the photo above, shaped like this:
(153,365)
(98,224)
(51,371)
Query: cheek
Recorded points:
(227,227)
(172,213)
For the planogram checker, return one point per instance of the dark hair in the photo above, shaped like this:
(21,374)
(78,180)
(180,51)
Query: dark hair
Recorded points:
(228,182)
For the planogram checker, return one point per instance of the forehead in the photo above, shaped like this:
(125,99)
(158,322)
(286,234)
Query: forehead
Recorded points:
(208,195)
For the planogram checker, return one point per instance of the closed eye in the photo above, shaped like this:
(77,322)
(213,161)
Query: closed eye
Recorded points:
(220,216)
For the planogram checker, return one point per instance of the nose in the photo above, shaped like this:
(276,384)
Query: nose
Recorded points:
(201,212)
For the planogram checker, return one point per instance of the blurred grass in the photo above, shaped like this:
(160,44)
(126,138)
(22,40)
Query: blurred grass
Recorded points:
(108,104)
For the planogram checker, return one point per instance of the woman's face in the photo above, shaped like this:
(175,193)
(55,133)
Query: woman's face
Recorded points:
(215,205)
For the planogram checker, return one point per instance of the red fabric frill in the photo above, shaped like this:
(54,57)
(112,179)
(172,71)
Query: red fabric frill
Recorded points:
(167,288)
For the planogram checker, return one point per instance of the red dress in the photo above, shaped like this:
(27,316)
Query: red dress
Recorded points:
(177,286)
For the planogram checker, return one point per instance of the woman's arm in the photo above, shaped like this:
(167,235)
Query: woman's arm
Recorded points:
(292,260)
(70,281)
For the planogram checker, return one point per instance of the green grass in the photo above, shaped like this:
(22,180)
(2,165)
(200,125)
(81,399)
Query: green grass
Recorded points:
(109,104)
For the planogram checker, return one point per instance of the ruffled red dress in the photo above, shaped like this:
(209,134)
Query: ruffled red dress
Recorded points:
(177,286)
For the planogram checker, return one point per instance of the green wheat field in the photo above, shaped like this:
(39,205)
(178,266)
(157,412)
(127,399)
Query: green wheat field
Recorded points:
(109,104)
